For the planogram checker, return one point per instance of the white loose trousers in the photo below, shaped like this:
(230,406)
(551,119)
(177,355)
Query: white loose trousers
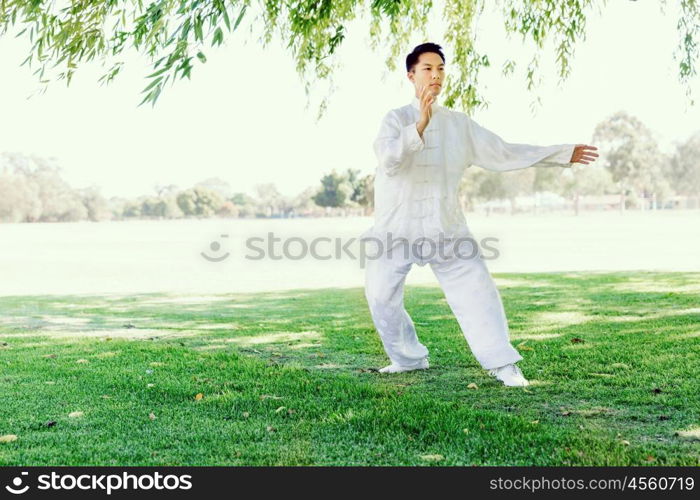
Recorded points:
(469,290)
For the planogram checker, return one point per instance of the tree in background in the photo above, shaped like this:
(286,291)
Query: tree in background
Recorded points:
(349,191)
(366,196)
(241,199)
(629,149)
(161,206)
(685,167)
(269,200)
(244,203)
(19,197)
(359,190)
(199,201)
(164,190)
(32,190)
(304,203)
(469,188)
(174,34)
(334,191)
(95,204)
(503,185)
(132,208)
(222,187)
(583,180)
(59,202)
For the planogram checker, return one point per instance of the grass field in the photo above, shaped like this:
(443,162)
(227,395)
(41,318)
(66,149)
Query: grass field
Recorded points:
(289,378)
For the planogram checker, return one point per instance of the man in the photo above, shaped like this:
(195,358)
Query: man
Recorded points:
(422,150)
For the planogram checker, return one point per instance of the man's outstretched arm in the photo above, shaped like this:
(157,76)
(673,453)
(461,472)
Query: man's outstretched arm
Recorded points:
(488,150)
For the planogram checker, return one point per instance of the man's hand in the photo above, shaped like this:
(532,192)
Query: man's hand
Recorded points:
(582,154)
(426,100)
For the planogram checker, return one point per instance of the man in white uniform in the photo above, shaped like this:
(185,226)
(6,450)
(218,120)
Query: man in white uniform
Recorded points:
(422,150)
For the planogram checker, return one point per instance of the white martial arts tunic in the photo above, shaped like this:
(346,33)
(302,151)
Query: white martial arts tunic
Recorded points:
(416,185)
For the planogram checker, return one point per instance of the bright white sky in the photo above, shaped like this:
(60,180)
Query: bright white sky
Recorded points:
(242,115)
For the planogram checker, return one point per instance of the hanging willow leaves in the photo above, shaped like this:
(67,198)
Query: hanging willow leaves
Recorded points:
(173,33)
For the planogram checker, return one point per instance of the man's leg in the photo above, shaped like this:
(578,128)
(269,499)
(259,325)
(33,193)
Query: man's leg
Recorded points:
(384,290)
(476,303)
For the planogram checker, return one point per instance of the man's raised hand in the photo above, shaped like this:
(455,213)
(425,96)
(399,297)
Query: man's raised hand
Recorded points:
(427,98)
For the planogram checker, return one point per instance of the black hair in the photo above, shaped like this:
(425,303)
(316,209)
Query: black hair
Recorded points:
(412,58)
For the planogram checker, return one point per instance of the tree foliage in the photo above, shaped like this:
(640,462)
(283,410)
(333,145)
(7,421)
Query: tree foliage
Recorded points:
(176,35)
(199,201)
(32,190)
(631,153)
(685,166)
(333,191)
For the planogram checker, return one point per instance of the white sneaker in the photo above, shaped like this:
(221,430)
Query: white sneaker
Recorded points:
(510,375)
(393,368)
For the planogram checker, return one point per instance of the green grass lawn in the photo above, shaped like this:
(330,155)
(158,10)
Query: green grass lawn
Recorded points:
(289,378)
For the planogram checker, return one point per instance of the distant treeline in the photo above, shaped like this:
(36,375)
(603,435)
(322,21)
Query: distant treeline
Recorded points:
(32,190)
(631,166)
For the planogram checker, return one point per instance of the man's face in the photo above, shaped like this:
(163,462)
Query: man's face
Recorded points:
(429,70)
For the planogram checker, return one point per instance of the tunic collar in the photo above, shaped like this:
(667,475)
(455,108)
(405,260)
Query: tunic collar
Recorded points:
(435,107)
